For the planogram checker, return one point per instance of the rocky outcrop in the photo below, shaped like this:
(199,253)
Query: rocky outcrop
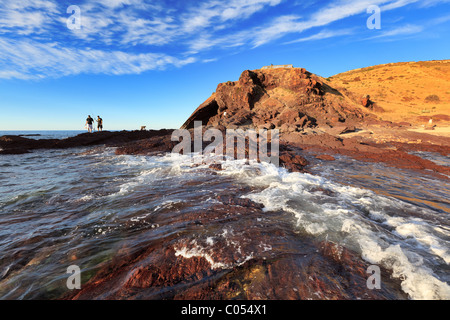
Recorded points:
(366,102)
(289,99)
(19,145)
(389,152)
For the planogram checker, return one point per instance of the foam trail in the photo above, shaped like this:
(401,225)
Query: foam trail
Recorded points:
(378,227)
(414,249)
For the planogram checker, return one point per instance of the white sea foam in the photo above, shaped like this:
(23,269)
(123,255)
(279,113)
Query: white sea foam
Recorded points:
(412,248)
(85,198)
(148,169)
(206,248)
(195,250)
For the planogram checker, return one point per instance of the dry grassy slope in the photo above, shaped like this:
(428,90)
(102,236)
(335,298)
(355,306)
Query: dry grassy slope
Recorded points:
(401,89)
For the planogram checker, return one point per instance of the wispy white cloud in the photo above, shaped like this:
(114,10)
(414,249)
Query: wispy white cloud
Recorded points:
(133,36)
(335,11)
(218,12)
(117,3)
(282,26)
(123,22)
(209,60)
(400,31)
(430,3)
(277,29)
(33,60)
(397,4)
(439,20)
(27,16)
(324,34)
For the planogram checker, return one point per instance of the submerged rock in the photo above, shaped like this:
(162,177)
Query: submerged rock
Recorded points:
(233,250)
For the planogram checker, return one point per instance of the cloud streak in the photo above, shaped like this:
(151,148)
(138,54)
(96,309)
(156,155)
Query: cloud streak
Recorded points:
(324,34)
(27,16)
(134,36)
(400,31)
(32,60)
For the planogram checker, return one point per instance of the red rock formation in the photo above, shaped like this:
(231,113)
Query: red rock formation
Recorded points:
(292,161)
(287,99)
(325,157)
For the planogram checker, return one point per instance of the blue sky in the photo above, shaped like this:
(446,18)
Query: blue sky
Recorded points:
(140,62)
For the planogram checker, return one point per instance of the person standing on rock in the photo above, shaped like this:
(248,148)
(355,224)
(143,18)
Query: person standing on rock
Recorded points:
(99,124)
(89,122)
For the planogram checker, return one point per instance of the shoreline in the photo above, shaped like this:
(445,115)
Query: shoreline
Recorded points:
(443,131)
(177,259)
(387,145)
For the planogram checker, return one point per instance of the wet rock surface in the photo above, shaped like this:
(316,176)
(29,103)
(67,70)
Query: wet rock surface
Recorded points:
(394,150)
(233,250)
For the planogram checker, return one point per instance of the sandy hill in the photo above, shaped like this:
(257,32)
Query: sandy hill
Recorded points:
(293,99)
(409,91)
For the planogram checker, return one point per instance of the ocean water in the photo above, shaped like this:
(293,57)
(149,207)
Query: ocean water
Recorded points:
(49,134)
(80,206)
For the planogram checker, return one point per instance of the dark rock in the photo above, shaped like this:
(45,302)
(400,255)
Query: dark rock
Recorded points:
(349,129)
(325,157)
(216,166)
(366,102)
(292,161)
(17,145)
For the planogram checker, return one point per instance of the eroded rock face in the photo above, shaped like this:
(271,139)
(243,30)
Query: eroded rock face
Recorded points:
(287,99)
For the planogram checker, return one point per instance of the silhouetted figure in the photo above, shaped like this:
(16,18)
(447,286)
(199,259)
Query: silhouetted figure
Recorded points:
(99,123)
(89,122)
